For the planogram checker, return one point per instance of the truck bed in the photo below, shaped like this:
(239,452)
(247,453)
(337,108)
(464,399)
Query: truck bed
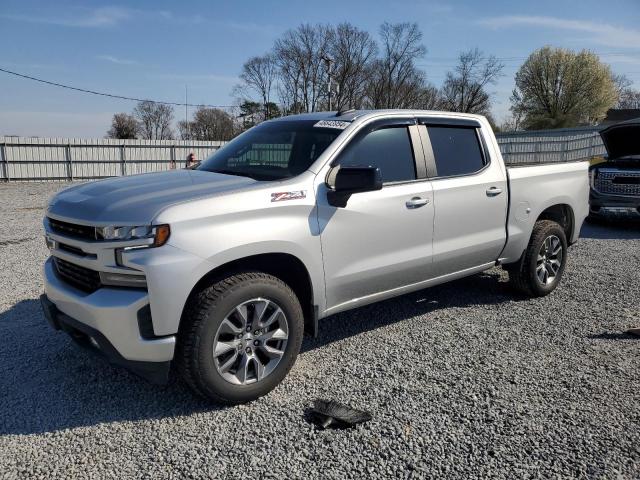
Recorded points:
(533,189)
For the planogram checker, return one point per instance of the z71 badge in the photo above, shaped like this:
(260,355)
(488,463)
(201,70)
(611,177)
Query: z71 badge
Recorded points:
(282,196)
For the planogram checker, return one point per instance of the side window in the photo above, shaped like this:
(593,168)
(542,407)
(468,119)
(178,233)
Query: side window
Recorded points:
(456,150)
(389,149)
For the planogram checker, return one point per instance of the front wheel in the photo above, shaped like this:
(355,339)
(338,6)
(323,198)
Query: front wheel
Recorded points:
(240,337)
(540,269)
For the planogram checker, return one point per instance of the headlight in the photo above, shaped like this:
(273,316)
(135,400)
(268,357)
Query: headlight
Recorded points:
(159,233)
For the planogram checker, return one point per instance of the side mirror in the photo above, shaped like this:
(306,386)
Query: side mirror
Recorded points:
(345,181)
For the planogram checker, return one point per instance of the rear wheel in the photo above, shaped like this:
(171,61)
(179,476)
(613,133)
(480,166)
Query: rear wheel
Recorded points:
(240,337)
(541,267)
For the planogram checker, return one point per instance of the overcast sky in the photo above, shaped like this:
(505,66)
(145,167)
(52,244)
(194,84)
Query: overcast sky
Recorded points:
(152,49)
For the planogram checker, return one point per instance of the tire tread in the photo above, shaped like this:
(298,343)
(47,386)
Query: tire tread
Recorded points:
(519,276)
(197,313)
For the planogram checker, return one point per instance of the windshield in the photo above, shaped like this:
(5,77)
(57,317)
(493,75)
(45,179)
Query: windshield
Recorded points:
(272,151)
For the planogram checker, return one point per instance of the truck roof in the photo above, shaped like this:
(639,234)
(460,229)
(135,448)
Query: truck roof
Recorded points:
(350,115)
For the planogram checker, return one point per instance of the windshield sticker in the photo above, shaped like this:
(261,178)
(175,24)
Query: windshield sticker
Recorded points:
(339,124)
(282,196)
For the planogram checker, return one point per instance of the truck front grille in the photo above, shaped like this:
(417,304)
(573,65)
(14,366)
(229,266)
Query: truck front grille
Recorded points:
(618,182)
(82,278)
(73,230)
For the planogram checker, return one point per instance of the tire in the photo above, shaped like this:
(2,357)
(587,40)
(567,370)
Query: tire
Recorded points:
(213,318)
(540,270)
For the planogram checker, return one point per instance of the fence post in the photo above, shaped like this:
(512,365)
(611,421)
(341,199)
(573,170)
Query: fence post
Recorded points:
(67,153)
(123,161)
(5,162)
(173,157)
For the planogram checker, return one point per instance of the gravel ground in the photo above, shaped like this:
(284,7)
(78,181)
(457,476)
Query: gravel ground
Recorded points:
(463,380)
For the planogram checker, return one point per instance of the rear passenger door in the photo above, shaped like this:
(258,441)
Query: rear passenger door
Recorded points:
(470,195)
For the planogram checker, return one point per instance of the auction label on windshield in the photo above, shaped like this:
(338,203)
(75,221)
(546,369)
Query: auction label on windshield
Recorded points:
(339,124)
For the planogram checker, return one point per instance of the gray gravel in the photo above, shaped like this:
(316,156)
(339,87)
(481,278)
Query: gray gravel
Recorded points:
(463,380)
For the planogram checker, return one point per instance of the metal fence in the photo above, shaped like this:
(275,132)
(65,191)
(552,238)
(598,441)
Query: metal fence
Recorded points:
(549,146)
(23,158)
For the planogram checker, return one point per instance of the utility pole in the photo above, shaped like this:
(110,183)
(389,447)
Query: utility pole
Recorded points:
(186,111)
(329,61)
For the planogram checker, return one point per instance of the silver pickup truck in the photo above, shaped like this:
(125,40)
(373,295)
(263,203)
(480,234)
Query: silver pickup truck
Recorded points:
(220,270)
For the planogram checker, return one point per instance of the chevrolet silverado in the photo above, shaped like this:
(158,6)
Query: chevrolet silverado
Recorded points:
(218,271)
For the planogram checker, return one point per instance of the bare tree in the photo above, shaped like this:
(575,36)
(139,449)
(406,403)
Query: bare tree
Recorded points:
(259,75)
(628,98)
(154,120)
(621,82)
(512,123)
(395,79)
(299,55)
(352,52)
(409,93)
(465,89)
(208,124)
(363,74)
(430,98)
(123,126)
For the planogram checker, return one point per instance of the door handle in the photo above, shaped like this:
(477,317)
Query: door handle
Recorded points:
(416,202)
(493,191)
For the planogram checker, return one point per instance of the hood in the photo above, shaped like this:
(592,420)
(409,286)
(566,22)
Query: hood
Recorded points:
(622,139)
(138,199)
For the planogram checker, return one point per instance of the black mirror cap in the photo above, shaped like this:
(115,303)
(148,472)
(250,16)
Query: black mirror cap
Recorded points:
(346,181)
(358,179)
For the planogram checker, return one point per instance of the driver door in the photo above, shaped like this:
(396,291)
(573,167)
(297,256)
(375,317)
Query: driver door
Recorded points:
(381,240)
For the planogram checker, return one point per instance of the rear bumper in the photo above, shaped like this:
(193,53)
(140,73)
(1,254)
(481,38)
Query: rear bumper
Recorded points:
(603,204)
(107,321)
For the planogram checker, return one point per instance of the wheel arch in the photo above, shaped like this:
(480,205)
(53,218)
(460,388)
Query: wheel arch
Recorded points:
(558,211)
(562,214)
(285,266)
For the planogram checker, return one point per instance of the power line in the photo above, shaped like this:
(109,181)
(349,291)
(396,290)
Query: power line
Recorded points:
(110,95)
(134,99)
(435,60)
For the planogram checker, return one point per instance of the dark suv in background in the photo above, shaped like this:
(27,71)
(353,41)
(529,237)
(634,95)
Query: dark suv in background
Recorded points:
(615,183)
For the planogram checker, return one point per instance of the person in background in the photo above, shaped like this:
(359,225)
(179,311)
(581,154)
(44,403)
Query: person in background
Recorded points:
(192,161)
(172,165)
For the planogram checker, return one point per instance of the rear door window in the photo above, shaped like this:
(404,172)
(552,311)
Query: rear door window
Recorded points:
(456,150)
(388,148)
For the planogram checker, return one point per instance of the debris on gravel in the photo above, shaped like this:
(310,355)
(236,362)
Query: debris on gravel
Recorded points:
(464,380)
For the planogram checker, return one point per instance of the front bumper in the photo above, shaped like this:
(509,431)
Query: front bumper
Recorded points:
(606,204)
(107,320)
